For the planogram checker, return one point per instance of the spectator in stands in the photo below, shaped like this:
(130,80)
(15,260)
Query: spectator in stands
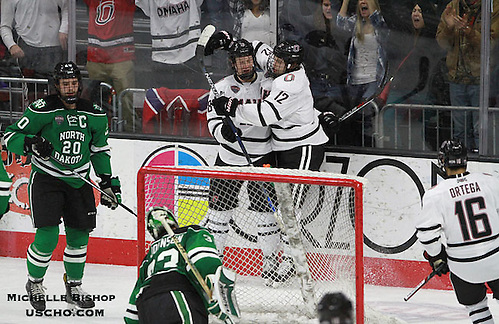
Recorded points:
(459,33)
(175,29)
(413,55)
(252,20)
(111,49)
(325,60)
(295,19)
(41,27)
(217,13)
(367,62)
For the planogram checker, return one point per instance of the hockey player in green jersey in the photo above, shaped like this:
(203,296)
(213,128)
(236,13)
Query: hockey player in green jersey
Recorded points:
(5,183)
(64,134)
(167,290)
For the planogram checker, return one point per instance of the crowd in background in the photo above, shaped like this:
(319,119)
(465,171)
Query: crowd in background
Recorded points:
(427,51)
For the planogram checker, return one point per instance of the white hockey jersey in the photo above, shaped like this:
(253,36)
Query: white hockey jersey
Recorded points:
(465,210)
(175,28)
(288,109)
(255,139)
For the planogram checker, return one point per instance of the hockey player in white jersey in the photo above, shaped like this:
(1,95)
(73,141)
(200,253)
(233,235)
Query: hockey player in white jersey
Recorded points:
(464,209)
(244,85)
(297,136)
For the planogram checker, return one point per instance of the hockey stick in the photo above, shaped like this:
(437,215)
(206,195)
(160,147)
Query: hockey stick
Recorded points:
(189,263)
(183,252)
(90,183)
(423,78)
(207,32)
(385,84)
(24,86)
(424,282)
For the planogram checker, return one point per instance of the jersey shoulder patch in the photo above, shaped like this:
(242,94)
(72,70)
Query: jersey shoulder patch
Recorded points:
(48,103)
(86,105)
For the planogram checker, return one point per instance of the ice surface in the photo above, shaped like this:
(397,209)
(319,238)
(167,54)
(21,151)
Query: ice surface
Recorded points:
(427,306)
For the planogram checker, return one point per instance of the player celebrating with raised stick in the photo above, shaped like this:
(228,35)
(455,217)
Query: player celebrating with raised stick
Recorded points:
(176,273)
(63,134)
(297,135)
(245,86)
(464,208)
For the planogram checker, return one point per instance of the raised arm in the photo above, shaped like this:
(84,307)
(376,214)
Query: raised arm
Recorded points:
(344,8)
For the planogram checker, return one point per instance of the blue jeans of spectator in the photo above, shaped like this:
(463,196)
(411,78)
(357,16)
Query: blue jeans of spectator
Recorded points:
(357,94)
(466,123)
(323,88)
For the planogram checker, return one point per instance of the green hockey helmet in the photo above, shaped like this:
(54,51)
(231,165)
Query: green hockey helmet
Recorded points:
(154,225)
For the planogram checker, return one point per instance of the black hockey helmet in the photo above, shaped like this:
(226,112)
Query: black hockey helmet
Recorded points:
(335,308)
(67,70)
(154,225)
(291,52)
(242,48)
(452,154)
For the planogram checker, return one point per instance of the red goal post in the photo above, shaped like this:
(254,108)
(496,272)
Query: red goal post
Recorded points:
(327,246)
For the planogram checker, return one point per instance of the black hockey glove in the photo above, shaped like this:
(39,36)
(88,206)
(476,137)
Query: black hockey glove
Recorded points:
(38,146)
(112,187)
(225,106)
(228,133)
(329,122)
(222,39)
(438,262)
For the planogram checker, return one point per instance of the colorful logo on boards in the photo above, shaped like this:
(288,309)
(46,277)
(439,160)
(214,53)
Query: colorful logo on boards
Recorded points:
(186,196)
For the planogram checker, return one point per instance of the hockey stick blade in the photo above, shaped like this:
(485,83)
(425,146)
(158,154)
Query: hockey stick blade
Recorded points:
(205,36)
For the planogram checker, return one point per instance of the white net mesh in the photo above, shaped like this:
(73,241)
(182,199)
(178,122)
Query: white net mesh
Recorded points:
(287,252)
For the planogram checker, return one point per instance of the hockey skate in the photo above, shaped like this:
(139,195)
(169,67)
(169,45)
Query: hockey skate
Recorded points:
(36,294)
(75,294)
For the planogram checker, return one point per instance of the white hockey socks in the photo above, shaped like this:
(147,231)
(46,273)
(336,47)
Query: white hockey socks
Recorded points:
(480,313)
(217,222)
(268,232)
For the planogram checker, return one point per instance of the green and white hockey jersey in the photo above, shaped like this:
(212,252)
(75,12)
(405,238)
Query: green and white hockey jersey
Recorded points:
(5,183)
(164,261)
(79,137)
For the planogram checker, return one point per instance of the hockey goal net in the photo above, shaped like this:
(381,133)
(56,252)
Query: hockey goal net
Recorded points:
(319,217)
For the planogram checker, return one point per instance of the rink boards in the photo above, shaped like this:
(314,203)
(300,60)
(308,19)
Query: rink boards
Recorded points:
(392,201)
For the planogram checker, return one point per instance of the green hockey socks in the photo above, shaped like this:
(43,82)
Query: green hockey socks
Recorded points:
(75,254)
(40,251)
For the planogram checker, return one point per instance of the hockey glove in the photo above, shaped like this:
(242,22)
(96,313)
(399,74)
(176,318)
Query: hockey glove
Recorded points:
(223,303)
(329,122)
(38,146)
(225,106)
(112,187)
(228,133)
(221,39)
(438,262)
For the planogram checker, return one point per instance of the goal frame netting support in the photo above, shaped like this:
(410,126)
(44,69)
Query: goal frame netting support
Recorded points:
(326,179)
